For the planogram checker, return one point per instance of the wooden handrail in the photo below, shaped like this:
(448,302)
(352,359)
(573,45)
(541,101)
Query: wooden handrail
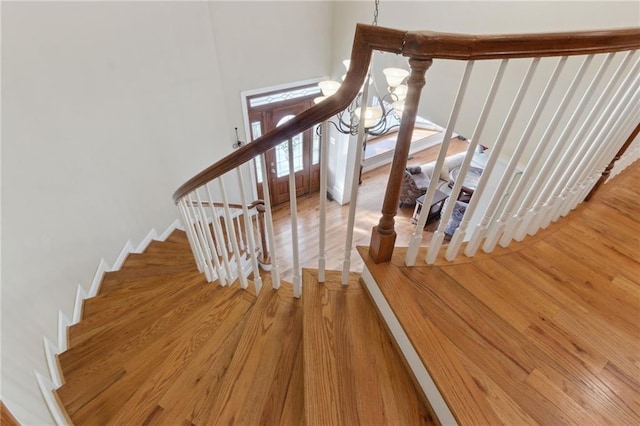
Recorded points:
(367,39)
(422,45)
(435,45)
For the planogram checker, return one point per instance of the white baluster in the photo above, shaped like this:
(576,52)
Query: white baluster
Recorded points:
(268,218)
(460,233)
(496,228)
(481,228)
(188,229)
(220,239)
(197,224)
(597,148)
(569,177)
(231,232)
(543,184)
(322,251)
(617,137)
(530,170)
(209,238)
(257,280)
(293,208)
(241,240)
(438,236)
(560,175)
(348,243)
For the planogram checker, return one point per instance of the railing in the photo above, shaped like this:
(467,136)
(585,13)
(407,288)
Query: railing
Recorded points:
(227,239)
(591,96)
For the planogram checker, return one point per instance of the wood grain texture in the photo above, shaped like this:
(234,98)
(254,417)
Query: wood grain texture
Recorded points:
(353,374)
(6,418)
(547,333)
(257,382)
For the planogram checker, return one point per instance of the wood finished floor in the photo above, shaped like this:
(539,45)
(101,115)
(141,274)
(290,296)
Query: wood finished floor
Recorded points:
(167,348)
(369,206)
(353,374)
(547,333)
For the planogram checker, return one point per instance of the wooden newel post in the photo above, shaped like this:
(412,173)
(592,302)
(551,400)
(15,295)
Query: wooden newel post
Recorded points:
(607,171)
(383,235)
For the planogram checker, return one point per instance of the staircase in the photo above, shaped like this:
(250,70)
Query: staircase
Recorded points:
(160,345)
(533,324)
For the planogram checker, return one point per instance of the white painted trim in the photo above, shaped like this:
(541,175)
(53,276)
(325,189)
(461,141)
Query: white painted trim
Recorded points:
(63,323)
(50,352)
(128,248)
(152,235)
(413,360)
(46,388)
(103,267)
(81,294)
(167,232)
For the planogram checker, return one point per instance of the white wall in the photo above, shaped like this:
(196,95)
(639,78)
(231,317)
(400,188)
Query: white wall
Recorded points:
(106,109)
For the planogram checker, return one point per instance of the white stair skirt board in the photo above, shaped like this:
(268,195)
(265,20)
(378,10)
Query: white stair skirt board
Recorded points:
(48,384)
(152,235)
(103,267)
(50,352)
(46,388)
(128,248)
(411,356)
(174,225)
(81,294)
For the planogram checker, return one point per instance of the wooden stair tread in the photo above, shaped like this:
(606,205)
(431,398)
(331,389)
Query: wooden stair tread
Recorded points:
(142,260)
(353,374)
(139,310)
(140,291)
(114,280)
(262,385)
(533,335)
(104,386)
(133,329)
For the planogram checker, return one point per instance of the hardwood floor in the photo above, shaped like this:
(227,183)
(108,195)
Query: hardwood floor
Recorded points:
(353,374)
(169,349)
(548,332)
(370,197)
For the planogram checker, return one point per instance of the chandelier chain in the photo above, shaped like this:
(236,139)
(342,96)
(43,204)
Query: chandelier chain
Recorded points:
(375,13)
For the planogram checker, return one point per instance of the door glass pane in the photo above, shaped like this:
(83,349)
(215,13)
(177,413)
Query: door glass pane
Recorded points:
(282,156)
(282,152)
(256,132)
(315,155)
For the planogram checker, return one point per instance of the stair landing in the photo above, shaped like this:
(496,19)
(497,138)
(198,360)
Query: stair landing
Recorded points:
(548,333)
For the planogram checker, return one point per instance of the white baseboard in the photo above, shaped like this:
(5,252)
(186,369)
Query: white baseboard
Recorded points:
(103,267)
(413,360)
(81,294)
(128,248)
(46,389)
(48,384)
(51,352)
(63,323)
(176,224)
(152,235)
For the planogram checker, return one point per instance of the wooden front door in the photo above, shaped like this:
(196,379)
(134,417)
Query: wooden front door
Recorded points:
(306,151)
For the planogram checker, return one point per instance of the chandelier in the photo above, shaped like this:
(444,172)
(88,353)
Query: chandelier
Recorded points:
(382,113)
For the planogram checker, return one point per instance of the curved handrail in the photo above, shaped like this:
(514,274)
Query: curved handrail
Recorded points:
(367,38)
(419,45)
